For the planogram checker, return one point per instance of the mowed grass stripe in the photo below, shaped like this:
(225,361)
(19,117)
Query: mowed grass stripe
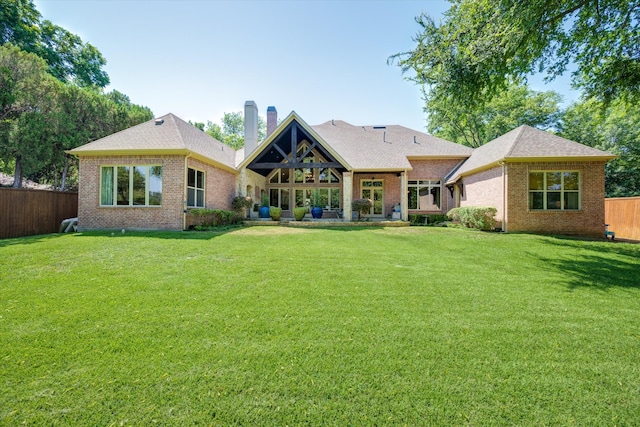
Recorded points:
(278,326)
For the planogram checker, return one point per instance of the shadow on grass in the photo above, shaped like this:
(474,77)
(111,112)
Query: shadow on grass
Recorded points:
(597,264)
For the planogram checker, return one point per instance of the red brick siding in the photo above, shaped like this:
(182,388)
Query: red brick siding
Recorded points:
(220,190)
(483,189)
(392,183)
(587,221)
(433,170)
(168,216)
(220,185)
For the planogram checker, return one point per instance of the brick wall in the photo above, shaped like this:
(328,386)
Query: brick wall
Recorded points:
(220,187)
(587,221)
(434,169)
(484,189)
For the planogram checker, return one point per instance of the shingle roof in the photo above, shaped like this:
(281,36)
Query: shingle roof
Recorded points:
(368,148)
(172,136)
(527,143)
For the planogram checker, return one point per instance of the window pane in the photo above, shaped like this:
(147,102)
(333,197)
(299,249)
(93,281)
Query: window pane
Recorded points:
(333,177)
(200,198)
(335,198)
(139,185)
(324,175)
(377,202)
(413,197)
(123,185)
(299,198)
(284,176)
(571,180)
(284,200)
(274,178)
(425,199)
(200,179)
(553,200)
(435,193)
(536,200)
(536,181)
(273,195)
(191,197)
(191,178)
(106,186)
(299,175)
(324,197)
(155,186)
(571,200)
(554,180)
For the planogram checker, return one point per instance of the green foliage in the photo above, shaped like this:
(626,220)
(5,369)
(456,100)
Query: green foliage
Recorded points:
(454,119)
(408,326)
(68,58)
(204,218)
(361,206)
(613,128)
(232,130)
(299,213)
(482,45)
(265,200)
(275,213)
(481,218)
(240,203)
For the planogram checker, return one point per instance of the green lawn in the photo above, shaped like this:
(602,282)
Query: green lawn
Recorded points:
(287,326)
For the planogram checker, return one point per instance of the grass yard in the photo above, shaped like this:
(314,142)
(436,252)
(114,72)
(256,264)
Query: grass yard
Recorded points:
(285,326)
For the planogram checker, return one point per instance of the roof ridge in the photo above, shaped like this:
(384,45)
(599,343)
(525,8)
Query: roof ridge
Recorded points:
(516,140)
(177,121)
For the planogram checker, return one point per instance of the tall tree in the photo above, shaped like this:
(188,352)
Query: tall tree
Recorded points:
(69,59)
(474,125)
(232,130)
(481,44)
(613,128)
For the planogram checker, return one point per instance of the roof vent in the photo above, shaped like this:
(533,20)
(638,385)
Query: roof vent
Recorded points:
(332,123)
(159,122)
(415,141)
(379,127)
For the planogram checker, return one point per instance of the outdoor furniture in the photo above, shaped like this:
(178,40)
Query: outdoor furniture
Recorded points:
(608,233)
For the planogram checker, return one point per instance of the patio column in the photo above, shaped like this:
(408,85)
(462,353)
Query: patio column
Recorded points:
(404,196)
(347,195)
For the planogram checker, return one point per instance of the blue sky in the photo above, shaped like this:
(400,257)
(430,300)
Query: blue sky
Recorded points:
(199,59)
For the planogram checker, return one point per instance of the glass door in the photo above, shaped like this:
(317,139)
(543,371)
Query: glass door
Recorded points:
(374,190)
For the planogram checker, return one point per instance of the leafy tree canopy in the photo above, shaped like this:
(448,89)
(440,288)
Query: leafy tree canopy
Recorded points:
(69,59)
(232,130)
(475,125)
(613,128)
(481,45)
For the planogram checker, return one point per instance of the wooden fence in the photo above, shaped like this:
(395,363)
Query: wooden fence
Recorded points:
(25,212)
(623,216)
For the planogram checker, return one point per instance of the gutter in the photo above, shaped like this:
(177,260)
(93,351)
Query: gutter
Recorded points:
(184,192)
(504,195)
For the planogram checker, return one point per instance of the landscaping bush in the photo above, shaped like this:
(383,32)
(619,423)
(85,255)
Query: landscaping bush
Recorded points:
(361,206)
(434,219)
(417,219)
(198,218)
(479,217)
(275,213)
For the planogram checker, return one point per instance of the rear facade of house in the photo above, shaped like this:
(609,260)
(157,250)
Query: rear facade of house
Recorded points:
(151,175)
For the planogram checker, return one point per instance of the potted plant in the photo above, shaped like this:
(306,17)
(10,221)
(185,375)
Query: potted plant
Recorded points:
(275,213)
(264,209)
(361,206)
(316,211)
(299,213)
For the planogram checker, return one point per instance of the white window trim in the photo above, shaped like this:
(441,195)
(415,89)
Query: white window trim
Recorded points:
(131,175)
(204,188)
(430,186)
(562,191)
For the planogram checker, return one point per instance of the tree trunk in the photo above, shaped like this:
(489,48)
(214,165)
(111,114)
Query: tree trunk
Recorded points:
(17,176)
(63,184)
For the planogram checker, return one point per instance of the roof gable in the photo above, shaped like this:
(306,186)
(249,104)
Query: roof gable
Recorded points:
(164,135)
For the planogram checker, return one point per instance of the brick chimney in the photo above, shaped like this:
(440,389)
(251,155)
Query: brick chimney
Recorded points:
(250,127)
(272,119)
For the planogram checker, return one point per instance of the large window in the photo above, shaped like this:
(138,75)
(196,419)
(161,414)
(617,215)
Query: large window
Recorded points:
(425,195)
(131,185)
(557,190)
(195,188)
(279,197)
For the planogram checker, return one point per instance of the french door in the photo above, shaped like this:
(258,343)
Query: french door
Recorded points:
(374,190)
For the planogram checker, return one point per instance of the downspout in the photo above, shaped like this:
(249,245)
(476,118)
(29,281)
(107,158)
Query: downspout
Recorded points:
(504,195)
(184,192)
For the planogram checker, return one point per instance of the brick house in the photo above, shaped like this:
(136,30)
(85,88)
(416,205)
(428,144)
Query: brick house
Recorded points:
(150,175)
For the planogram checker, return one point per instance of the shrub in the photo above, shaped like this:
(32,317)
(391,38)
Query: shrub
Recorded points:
(299,213)
(435,219)
(240,203)
(275,213)
(479,217)
(417,219)
(211,218)
(361,206)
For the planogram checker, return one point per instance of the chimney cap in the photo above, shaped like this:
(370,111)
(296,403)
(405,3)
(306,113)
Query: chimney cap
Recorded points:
(159,121)
(271,108)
